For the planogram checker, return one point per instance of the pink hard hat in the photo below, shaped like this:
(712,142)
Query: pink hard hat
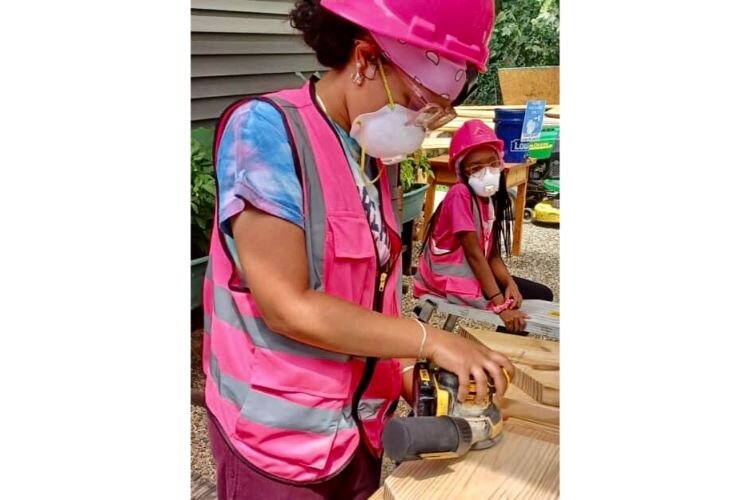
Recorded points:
(471,134)
(457,30)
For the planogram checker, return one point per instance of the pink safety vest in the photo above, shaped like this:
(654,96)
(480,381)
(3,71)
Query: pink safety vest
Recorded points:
(449,275)
(285,406)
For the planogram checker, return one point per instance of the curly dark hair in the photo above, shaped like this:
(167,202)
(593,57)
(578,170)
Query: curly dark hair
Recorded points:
(330,36)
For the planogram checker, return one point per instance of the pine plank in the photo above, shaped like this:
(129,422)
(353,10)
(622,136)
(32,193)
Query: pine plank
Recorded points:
(523,465)
(537,361)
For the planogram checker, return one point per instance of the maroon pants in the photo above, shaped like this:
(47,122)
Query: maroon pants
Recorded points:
(237,480)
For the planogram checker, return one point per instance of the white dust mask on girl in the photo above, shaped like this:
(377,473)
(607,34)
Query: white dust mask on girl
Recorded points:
(486,182)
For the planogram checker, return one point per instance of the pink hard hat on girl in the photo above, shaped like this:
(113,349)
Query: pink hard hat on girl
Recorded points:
(471,134)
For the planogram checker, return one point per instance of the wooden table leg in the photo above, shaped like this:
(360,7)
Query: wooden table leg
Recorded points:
(518,226)
(429,205)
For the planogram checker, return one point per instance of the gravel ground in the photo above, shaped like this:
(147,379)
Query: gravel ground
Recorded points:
(539,261)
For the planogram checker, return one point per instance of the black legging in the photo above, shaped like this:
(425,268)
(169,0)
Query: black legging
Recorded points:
(531,290)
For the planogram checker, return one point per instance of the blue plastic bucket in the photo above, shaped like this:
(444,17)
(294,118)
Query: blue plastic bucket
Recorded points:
(508,127)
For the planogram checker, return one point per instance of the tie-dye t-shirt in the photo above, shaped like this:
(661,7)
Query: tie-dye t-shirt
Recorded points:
(255,165)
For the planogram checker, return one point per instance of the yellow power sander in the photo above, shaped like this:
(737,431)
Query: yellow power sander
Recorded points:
(442,427)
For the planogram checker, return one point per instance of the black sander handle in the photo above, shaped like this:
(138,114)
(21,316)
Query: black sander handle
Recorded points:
(408,438)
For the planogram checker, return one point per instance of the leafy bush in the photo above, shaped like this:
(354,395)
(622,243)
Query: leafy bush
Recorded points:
(411,168)
(526,33)
(202,190)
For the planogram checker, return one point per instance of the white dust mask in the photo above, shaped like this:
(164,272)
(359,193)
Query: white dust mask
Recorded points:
(386,133)
(486,182)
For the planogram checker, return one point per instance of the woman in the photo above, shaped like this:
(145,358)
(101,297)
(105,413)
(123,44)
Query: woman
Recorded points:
(304,348)
(461,255)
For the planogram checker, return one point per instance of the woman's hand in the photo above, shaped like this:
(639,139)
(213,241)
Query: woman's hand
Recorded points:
(515,320)
(466,358)
(512,292)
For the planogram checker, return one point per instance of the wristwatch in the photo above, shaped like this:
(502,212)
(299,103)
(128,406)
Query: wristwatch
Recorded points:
(497,309)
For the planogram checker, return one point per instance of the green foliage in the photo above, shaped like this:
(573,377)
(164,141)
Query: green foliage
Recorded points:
(411,167)
(202,190)
(526,33)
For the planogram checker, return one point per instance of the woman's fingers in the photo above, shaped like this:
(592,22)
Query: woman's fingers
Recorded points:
(480,382)
(463,385)
(495,371)
(503,362)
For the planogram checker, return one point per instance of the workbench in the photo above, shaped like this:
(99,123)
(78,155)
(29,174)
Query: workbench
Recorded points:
(517,174)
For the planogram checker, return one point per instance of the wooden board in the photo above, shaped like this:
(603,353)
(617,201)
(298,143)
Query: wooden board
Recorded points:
(456,123)
(542,385)
(523,465)
(524,350)
(519,85)
(519,406)
(533,411)
(488,113)
(533,429)
(517,394)
(379,494)
(537,362)
(436,143)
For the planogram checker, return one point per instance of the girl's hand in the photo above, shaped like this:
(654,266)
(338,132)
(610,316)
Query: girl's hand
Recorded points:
(466,358)
(512,292)
(515,320)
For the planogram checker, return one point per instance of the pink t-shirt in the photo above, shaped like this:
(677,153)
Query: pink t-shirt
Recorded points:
(457,215)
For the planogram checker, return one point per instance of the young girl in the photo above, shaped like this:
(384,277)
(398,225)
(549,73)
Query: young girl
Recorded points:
(460,258)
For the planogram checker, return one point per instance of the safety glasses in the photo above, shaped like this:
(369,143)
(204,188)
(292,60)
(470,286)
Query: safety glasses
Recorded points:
(495,167)
(428,114)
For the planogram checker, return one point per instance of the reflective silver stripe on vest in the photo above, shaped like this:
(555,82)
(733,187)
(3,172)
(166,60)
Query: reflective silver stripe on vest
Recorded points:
(207,278)
(315,209)
(209,273)
(274,412)
(206,324)
(262,336)
(462,270)
(457,270)
(229,388)
(369,408)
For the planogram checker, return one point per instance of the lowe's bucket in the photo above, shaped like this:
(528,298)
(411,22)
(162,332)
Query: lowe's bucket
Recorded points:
(508,127)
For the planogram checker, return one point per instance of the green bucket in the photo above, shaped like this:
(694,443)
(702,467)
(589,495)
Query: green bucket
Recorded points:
(541,149)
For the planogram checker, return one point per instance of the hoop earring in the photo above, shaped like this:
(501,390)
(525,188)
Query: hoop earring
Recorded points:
(357,76)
